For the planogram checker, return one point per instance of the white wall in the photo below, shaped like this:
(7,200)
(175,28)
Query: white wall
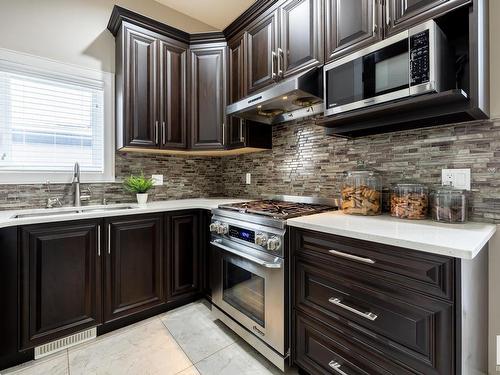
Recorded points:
(74,31)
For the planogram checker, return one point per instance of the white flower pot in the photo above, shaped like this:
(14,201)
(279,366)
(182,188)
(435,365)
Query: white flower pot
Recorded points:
(142,199)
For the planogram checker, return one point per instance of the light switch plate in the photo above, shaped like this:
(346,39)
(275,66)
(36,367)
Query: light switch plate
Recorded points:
(248,178)
(458,178)
(157,179)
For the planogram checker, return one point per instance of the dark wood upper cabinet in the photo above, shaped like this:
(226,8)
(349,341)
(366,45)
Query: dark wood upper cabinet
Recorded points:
(237,88)
(262,51)
(351,25)
(183,255)
(208,96)
(172,94)
(402,14)
(60,280)
(140,121)
(301,36)
(133,272)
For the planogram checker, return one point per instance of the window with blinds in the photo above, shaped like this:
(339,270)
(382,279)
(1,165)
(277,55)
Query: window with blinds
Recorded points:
(49,121)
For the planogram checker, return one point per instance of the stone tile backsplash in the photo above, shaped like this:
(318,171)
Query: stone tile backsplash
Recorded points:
(306,162)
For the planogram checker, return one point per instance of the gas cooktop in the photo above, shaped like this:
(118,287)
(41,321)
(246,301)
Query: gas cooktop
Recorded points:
(277,209)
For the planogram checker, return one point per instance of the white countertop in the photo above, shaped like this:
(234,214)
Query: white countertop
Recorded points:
(7,220)
(456,240)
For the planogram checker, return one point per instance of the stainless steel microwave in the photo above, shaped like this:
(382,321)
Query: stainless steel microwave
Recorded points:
(414,62)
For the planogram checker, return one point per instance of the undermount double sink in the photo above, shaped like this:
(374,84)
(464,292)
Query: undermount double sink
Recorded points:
(70,211)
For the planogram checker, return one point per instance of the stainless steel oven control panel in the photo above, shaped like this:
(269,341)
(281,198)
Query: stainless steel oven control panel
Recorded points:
(257,237)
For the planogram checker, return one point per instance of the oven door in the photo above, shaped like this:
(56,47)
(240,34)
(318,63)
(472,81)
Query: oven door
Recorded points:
(250,288)
(374,75)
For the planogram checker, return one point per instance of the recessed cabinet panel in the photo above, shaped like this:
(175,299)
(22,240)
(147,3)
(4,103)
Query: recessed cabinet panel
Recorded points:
(351,25)
(262,52)
(141,125)
(60,281)
(402,14)
(183,255)
(173,75)
(301,36)
(208,97)
(133,265)
(237,80)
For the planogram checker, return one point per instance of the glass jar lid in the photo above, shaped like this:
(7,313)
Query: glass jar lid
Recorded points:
(449,190)
(361,170)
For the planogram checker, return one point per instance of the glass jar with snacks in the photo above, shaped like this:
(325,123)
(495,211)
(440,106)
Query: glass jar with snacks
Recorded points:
(409,200)
(449,205)
(362,192)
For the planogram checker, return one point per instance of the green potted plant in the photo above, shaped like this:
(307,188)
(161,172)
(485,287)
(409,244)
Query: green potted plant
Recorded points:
(139,185)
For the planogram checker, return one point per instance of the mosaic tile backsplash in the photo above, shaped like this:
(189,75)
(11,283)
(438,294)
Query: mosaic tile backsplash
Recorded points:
(306,162)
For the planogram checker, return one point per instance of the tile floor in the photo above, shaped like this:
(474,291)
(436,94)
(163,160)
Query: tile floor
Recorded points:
(184,341)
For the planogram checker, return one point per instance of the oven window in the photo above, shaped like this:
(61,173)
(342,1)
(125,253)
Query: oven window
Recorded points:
(244,291)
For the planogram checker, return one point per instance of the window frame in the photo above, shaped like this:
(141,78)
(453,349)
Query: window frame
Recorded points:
(55,69)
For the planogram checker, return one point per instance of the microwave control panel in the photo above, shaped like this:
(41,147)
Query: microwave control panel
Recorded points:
(419,58)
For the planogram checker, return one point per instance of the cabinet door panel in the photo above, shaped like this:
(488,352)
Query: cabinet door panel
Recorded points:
(351,25)
(208,91)
(133,266)
(60,281)
(237,80)
(183,255)
(403,14)
(262,47)
(141,126)
(301,36)
(173,64)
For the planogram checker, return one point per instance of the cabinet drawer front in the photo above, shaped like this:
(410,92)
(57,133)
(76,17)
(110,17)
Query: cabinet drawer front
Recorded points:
(413,325)
(426,273)
(319,350)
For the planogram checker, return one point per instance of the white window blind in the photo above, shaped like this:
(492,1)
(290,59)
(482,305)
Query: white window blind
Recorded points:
(52,117)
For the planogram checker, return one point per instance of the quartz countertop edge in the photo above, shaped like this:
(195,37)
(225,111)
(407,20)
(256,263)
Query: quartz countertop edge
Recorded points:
(462,241)
(7,220)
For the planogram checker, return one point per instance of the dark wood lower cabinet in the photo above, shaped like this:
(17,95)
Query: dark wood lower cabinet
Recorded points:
(60,280)
(355,311)
(134,265)
(183,255)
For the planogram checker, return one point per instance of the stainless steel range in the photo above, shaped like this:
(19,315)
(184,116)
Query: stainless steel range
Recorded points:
(250,278)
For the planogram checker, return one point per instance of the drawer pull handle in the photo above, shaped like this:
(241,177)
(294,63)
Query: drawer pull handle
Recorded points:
(352,257)
(336,367)
(338,302)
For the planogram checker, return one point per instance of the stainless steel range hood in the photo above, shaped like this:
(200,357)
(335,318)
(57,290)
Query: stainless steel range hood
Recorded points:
(293,98)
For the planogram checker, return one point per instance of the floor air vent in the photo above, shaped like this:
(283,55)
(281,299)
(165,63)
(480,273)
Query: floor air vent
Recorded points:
(64,343)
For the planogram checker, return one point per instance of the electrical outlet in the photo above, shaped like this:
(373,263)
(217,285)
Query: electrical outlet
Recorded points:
(458,178)
(248,178)
(157,179)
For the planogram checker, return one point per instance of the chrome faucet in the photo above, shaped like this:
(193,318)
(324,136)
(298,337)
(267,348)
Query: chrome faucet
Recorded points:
(76,186)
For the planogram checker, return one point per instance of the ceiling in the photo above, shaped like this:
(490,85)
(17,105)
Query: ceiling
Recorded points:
(215,13)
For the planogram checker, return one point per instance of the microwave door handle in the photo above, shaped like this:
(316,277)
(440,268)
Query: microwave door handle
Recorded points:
(251,258)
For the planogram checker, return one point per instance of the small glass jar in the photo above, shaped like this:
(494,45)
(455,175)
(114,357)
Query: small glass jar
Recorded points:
(362,192)
(409,200)
(449,205)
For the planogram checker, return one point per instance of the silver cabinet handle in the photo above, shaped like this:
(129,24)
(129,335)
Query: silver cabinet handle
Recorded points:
(223,133)
(98,240)
(156,132)
(336,367)
(109,238)
(273,73)
(280,61)
(242,138)
(375,3)
(367,315)
(163,129)
(352,257)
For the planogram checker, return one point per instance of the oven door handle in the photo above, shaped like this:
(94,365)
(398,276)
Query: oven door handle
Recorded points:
(251,258)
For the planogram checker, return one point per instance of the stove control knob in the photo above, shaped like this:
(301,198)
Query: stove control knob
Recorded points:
(222,229)
(214,226)
(261,239)
(273,243)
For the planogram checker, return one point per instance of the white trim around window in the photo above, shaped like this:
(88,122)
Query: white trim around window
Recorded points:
(17,138)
